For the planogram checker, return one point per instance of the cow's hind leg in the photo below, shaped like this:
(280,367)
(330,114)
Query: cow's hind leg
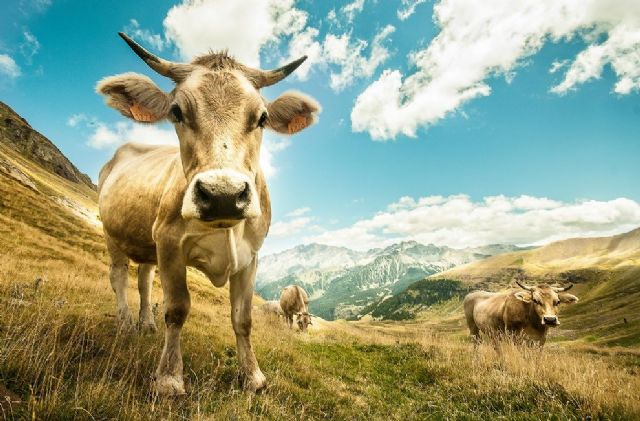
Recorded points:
(146,273)
(241,289)
(119,277)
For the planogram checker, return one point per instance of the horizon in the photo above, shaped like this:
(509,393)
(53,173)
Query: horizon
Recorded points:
(521,247)
(424,135)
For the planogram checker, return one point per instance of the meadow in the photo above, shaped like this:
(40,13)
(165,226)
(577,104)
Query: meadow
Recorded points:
(62,356)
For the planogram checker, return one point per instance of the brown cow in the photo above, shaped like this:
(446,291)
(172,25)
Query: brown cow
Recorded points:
(526,314)
(203,204)
(294,301)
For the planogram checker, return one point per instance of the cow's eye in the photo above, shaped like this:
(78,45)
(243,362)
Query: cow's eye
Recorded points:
(555,303)
(262,120)
(176,113)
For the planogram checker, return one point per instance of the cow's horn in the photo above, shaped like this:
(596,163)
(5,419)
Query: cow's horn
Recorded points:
(264,78)
(523,286)
(561,289)
(176,71)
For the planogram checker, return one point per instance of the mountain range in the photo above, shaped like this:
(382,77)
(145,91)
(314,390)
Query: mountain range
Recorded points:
(341,282)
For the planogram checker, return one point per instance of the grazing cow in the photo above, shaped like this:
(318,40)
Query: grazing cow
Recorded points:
(527,314)
(203,203)
(294,301)
(272,308)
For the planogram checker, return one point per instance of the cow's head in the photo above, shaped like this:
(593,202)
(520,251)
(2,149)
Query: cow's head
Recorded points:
(303,320)
(219,116)
(544,300)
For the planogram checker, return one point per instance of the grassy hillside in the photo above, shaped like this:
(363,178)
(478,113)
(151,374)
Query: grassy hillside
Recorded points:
(602,253)
(62,357)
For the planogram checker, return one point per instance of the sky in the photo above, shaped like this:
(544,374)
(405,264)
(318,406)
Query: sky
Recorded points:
(453,122)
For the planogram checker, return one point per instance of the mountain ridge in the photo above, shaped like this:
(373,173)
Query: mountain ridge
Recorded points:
(17,133)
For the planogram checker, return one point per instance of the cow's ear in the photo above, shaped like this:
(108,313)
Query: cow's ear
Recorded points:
(292,112)
(567,298)
(523,296)
(135,96)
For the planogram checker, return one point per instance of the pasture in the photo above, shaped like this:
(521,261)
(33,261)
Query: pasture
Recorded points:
(63,357)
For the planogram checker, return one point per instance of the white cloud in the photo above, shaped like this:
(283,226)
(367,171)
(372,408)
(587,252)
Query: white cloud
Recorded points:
(621,50)
(479,40)
(351,10)
(304,43)
(299,212)
(30,46)
(107,136)
(76,119)
(270,147)
(353,64)
(134,30)
(408,8)
(290,227)
(459,222)
(8,67)
(242,27)
(341,52)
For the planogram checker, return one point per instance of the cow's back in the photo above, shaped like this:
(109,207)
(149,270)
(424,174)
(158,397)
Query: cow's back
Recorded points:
(293,299)
(130,188)
(483,310)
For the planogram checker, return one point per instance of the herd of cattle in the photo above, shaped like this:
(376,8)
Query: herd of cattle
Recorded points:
(205,203)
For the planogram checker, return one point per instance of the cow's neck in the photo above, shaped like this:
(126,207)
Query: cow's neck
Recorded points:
(219,253)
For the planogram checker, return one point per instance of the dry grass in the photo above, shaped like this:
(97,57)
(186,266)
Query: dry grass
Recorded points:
(63,356)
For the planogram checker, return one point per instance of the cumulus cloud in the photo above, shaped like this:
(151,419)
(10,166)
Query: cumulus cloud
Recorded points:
(145,36)
(242,27)
(478,40)
(408,8)
(351,10)
(347,56)
(106,136)
(8,67)
(270,148)
(459,222)
(289,227)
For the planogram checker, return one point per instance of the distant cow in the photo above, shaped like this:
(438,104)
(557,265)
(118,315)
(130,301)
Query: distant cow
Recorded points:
(272,308)
(294,301)
(527,314)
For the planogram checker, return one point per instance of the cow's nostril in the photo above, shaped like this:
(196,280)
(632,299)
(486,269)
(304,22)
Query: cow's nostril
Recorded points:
(243,198)
(203,194)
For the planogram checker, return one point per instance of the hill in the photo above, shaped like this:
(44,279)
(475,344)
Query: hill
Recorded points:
(575,254)
(16,133)
(62,356)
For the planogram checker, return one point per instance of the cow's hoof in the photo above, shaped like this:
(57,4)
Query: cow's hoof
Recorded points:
(148,327)
(256,382)
(170,386)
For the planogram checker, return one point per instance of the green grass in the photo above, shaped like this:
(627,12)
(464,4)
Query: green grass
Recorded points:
(62,354)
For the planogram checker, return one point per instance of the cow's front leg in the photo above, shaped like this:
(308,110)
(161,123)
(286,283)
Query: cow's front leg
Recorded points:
(173,276)
(241,288)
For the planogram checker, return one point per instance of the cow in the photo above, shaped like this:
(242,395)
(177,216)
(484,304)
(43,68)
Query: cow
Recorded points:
(272,308)
(526,315)
(294,301)
(202,204)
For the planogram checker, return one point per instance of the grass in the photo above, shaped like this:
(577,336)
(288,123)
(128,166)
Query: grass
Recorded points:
(63,357)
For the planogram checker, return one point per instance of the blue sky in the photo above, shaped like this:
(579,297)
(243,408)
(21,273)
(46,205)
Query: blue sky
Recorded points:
(477,141)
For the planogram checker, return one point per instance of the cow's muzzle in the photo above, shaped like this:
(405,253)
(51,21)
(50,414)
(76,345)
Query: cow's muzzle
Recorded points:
(224,197)
(550,320)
